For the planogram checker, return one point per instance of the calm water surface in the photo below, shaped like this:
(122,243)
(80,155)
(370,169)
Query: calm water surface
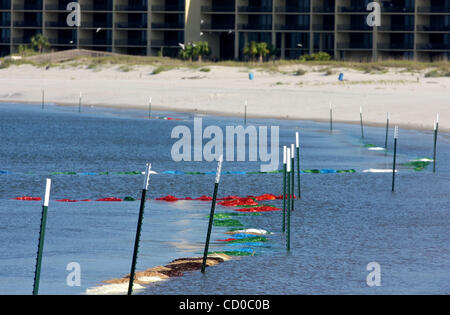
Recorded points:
(342,223)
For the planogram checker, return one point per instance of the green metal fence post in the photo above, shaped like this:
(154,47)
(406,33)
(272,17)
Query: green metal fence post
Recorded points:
(37,273)
(211,215)
(139,228)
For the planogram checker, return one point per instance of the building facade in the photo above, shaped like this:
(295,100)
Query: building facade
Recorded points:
(409,29)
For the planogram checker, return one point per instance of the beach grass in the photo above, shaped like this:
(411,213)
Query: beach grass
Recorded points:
(296,67)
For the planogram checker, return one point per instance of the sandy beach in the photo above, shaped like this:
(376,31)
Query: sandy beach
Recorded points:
(412,99)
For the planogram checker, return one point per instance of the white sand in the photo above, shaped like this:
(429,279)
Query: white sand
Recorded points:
(225,89)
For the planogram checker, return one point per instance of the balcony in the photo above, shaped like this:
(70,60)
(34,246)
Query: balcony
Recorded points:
(217,9)
(96,24)
(177,26)
(354,27)
(216,26)
(433,46)
(58,24)
(292,27)
(433,28)
(28,7)
(167,8)
(130,25)
(353,9)
(254,9)
(397,9)
(396,28)
(395,46)
(164,43)
(292,9)
(130,42)
(33,24)
(135,8)
(62,41)
(354,45)
(323,27)
(433,9)
(259,27)
(323,9)
(94,42)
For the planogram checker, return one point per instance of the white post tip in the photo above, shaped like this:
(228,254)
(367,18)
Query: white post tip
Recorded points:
(292,151)
(288,164)
(437,118)
(47,191)
(219,169)
(284,154)
(396,132)
(148,168)
(297,142)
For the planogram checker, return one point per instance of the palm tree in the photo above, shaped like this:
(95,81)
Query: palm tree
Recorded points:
(39,42)
(262,50)
(200,50)
(250,50)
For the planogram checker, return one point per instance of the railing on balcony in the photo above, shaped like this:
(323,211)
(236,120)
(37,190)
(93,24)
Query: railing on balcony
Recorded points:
(323,9)
(397,9)
(255,9)
(130,42)
(292,27)
(434,9)
(323,27)
(433,28)
(28,24)
(95,24)
(131,25)
(168,8)
(28,6)
(164,43)
(349,9)
(262,27)
(396,27)
(167,26)
(433,46)
(94,42)
(292,9)
(57,24)
(354,45)
(131,8)
(354,27)
(216,26)
(395,46)
(217,8)
(62,41)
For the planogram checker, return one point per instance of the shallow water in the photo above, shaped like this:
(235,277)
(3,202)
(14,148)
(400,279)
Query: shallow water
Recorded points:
(343,222)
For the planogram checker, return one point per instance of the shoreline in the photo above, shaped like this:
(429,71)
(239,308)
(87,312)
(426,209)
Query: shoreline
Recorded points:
(412,99)
(442,130)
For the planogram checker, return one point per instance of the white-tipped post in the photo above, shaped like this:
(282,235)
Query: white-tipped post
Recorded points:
(149,108)
(284,154)
(396,132)
(47,192)
(219,169)
(297,141)
(292,153)
(288,161)
(148,169)
(79,102)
